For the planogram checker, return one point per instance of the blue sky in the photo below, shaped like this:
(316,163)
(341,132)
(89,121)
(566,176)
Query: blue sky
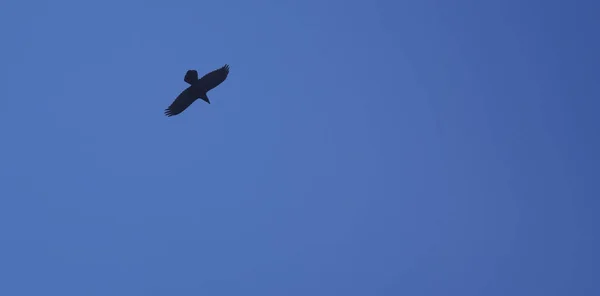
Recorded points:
(357,148)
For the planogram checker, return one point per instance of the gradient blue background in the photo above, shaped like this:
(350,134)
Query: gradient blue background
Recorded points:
(357,148)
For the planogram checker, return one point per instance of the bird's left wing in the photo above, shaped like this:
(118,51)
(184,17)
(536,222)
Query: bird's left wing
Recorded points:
(184,100)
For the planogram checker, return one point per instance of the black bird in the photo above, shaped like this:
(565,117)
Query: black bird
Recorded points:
(197,89)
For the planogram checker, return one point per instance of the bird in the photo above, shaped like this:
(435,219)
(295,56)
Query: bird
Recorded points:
(197,89)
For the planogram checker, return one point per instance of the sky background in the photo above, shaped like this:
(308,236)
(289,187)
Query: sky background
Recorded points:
(357,148)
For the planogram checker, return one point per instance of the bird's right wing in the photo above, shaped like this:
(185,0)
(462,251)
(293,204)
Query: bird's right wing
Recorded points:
(214,78)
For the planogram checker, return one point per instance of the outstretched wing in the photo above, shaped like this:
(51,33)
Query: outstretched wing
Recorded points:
(191,76)
(214,78)
(184,100)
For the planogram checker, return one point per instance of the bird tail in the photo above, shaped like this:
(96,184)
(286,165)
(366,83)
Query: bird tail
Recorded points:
(191,76)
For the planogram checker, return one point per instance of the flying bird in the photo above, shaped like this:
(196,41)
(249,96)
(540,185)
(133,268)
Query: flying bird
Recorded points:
(197,89)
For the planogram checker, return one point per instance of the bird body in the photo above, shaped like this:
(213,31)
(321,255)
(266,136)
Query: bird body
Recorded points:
(198,89)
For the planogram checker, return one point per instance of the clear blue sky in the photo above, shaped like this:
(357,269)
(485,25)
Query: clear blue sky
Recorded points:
(357,148)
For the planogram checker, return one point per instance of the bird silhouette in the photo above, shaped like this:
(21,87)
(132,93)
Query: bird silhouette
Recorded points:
(197,89)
